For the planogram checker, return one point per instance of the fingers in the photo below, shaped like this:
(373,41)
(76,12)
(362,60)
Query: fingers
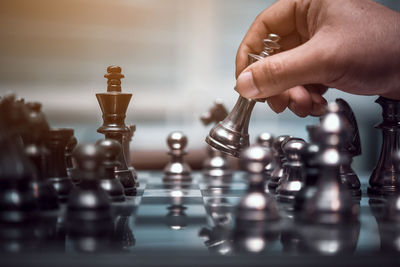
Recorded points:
(301,101)
(283,18)
(308,63)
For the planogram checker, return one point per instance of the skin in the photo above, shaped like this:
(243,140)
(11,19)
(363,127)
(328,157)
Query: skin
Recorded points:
(351,45)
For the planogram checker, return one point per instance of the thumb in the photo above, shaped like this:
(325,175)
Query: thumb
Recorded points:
(305,64)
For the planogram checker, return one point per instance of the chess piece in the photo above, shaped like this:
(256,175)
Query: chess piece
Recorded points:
(266,139)
(279,159)
(37,130)
(126,144)
(342,239)
(113,105)
(56,163)
(332,203)
(216,164)
(311,168)
(257,216)
(385,177)
(177,170)
(89,210)
(256,205)
(293,180)
(352,147)
(231,135)
(392,209)
(111,149)
(18,203)
(68,158)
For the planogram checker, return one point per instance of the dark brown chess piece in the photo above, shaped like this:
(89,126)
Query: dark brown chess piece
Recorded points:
(351,147)
(385,178)
(18,203)
(37,132)
(56,164)
(113,105)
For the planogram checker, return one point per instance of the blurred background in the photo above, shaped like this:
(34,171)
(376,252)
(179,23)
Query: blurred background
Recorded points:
(177,56)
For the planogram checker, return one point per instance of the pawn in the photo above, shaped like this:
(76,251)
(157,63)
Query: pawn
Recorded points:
(266,139)
(257,216)
(56,164)
(177,170)
(88,209)
(279,159)
(34,138)
(310,155)
(332,202)
(68,158)
(392,210)
(216,165)
(256,205)
(111,149)
(293,180)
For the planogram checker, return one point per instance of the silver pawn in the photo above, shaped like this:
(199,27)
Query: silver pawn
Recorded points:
(177,170)
(279,159)
(256,205)
(293,179)
(266,140)
(216,164)
(332,202)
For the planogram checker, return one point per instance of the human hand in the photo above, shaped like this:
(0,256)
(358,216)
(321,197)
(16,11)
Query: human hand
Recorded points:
(351,45)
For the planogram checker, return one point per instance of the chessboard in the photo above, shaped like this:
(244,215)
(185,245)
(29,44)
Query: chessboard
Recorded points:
(172,226)
(292,202)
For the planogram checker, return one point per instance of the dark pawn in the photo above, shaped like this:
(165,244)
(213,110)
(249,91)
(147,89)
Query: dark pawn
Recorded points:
(126,148)
(177,170)
(293,180)
(56,163)
(392,210)
(88,210)
(68,158)
(385,178)
(257,214)
(18,203)
(311,168)
(279,160)
(266,140)
(108,181)
(332,202)
(113,105)
(351,147)
(34,141)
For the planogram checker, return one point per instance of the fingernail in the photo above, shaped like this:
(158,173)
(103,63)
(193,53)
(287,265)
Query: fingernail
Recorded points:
(245,85)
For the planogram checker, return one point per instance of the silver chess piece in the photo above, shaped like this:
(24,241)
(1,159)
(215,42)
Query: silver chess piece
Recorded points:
(332,202)
(216,164)
(256,205)
(231,135)
(266,139)
(177,170)
(293,180)
(257,216)
(279,159)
